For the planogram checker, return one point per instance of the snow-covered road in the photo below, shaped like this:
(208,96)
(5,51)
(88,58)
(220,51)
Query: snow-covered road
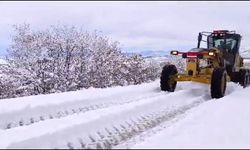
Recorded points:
(98,118)
(223,123)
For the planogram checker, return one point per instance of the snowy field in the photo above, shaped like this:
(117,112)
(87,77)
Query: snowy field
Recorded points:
(137,116)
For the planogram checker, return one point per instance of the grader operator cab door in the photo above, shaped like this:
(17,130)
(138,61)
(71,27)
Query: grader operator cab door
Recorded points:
(228,43)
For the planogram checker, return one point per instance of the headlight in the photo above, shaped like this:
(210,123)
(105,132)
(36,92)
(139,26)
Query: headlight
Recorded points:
(174,52)
(211,53)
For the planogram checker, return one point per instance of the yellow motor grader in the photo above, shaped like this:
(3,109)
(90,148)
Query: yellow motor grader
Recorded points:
(216,64)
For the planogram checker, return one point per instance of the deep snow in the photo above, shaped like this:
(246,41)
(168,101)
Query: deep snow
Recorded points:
(109,118)
(222,123)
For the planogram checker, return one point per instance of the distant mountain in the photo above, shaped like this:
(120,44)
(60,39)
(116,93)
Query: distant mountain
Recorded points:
(149,53)
(245,53)
(157,53)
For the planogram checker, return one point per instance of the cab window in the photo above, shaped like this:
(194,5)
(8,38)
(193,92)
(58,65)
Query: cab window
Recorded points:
(230,44)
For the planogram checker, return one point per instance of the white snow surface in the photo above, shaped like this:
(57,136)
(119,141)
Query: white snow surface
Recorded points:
(222,123)
(117,116)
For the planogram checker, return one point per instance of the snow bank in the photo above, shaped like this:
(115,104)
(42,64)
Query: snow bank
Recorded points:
(22,103)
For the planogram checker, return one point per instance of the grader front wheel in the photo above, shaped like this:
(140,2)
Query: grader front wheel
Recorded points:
(168,82)
(218,83)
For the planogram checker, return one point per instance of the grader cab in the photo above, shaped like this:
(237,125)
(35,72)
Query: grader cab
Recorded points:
(216,64)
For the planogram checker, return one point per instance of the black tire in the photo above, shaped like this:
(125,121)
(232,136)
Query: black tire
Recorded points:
(218,83)
(243,79)
(235,77)
(167,82)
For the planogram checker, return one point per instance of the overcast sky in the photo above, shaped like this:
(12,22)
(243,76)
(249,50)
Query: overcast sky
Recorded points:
(136,25)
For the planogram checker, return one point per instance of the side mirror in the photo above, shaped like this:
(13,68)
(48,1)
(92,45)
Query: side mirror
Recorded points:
(199,37)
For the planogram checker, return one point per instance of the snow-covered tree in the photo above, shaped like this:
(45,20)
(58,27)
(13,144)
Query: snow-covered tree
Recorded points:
(63,58)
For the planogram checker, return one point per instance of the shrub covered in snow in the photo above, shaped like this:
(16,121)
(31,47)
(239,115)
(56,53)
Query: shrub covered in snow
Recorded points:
(63,58)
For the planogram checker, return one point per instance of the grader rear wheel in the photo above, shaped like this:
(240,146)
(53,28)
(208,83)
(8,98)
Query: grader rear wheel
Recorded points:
(218,83)
(168,82)
(243,78)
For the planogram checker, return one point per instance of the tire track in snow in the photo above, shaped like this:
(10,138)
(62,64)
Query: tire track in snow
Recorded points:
(129,129)
(47,127)
(141,137)
(100,134)
(113,129)
(72,111)
(28,120)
